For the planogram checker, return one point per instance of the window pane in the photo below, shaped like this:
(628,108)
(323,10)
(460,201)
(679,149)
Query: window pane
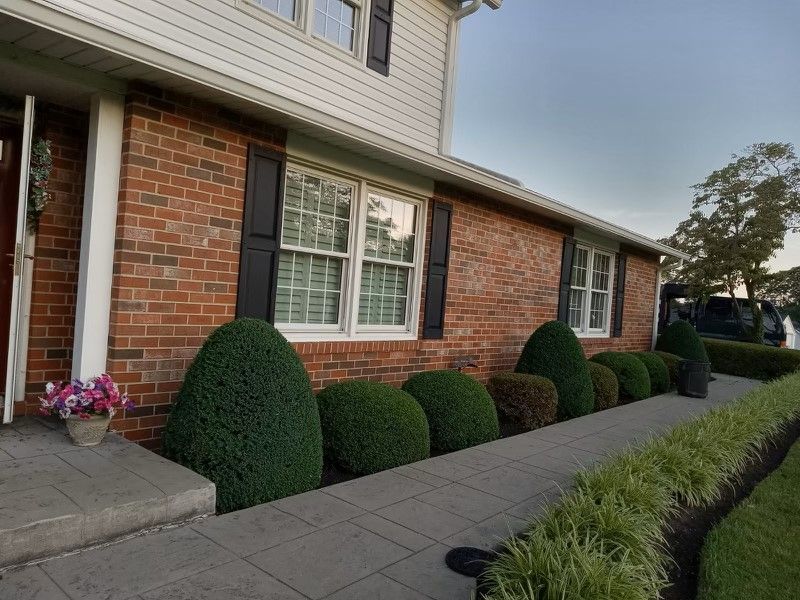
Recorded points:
(601,271)
(391,224)
(335,20)
(309,288)
(285,8)
(384,295)
(580,265)
(597,311)
(316,213)
(575,316)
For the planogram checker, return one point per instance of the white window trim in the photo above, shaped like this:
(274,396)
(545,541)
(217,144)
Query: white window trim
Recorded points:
(583,331)
(348,328)
(302,27)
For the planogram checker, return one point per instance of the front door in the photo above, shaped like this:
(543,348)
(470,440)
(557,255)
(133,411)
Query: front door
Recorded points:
(10,158)
(13,206)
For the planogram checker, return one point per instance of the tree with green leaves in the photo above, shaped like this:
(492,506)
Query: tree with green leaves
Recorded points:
(740,216)
(783,289)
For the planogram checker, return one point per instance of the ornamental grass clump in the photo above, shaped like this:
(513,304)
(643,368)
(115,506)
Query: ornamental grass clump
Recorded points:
(554,352)
(370,427)
(460,411)
(246,418)
(605,540)
(632,375)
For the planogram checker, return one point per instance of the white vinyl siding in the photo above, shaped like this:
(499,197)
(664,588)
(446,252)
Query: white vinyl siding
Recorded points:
(589,311)
(247,41)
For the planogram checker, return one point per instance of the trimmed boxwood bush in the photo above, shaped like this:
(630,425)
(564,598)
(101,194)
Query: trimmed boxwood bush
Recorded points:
(632,376)
(246,418)
(657,369)
(370,427)
(553,351)
(460,411)
(529,400)
(672,361)
(681,338)
(606,386)
(751,360)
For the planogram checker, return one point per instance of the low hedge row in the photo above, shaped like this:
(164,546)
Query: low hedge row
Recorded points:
(657,370)
(605,540)
(754,361)
(529,400)
(632,375)
(460,411)
(671,361)
(606,386)
(369,427)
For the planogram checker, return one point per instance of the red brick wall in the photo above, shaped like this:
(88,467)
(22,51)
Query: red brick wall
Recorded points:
(55,267)
(177,251)
(502,284)
(177,257)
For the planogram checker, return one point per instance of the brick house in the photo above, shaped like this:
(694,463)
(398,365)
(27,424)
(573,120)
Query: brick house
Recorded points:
(282,159)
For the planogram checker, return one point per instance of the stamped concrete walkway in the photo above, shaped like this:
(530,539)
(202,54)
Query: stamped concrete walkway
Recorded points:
(381,537)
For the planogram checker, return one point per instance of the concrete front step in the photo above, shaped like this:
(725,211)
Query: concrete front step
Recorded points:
(56,497)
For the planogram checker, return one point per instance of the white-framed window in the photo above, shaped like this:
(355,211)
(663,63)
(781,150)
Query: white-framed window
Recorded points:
(350,260)
(337,23)
(589,312)
(283,8)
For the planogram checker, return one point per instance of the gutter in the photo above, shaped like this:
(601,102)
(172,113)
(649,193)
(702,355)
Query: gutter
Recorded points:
(453,33)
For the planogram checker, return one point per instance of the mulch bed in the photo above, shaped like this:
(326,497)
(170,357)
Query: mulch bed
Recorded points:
(687,531)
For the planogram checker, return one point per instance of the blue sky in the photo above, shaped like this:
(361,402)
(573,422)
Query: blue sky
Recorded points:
(618,106)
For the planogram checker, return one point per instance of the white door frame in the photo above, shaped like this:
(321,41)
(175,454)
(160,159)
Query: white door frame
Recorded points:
(19,261)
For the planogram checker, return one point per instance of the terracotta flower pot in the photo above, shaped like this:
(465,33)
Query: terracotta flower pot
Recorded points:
(87,432)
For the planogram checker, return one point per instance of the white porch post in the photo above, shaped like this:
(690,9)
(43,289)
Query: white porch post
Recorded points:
(93,308)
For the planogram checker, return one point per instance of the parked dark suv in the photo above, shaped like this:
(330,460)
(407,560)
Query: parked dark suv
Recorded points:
(717,317)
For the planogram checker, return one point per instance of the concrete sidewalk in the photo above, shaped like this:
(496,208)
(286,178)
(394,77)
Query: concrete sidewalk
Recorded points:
(381,537)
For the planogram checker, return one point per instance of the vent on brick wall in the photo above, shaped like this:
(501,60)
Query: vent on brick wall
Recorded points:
(465,362)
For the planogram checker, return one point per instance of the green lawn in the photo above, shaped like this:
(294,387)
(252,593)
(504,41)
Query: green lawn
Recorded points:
(754,553)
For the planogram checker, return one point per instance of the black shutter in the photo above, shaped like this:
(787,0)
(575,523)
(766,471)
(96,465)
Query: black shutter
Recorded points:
(438,262)
(566,276)
(261,227)
(379,47)
(619,294)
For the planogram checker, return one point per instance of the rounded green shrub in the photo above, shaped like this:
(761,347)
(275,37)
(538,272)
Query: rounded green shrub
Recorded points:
(460,411)
(369,427)
(657,369)
(681,338)
(553,351)
(606,386)
(529,400)
(632,375)
(246,419)
(671,361)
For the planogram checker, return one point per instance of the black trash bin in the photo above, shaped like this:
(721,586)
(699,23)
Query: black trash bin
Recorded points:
(693,377)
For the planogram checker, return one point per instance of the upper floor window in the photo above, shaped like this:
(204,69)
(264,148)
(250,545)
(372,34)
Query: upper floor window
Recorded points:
(336,21)
(285,8)
(590,291)
(360,28)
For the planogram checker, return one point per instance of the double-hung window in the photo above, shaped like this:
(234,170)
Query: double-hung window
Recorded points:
(349,261)
(337,22)
(589,310)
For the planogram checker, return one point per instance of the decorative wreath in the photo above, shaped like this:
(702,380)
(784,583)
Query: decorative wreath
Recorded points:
(39,178)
